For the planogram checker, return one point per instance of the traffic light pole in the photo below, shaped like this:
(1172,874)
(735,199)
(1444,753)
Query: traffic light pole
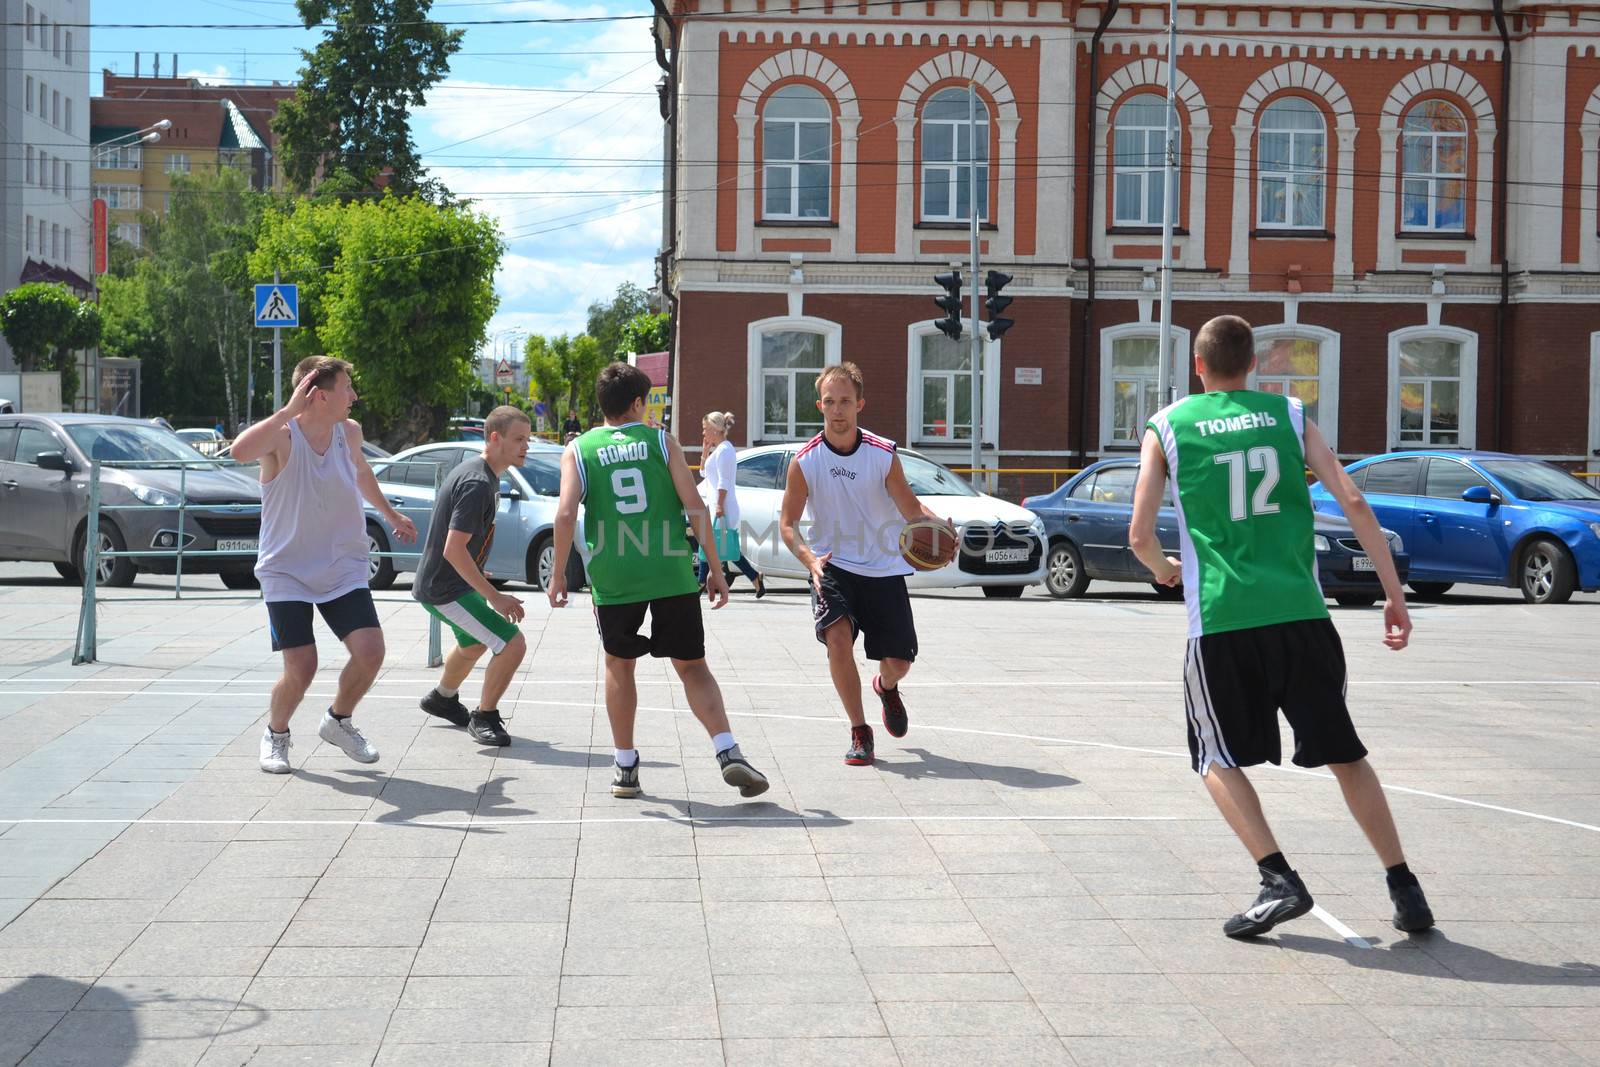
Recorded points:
(977,336)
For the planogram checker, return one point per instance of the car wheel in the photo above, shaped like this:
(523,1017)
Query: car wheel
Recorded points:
(1431,590)
(117,571)
(541,561)
(1002,592)
(1546,574)
(1064,576)
(240,579)
(380,569)
(1356,600)
(72,575)
(1167,592)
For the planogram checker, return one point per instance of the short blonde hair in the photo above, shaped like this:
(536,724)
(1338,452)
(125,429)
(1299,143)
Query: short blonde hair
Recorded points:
(846,370)
(503,418)
(326,368)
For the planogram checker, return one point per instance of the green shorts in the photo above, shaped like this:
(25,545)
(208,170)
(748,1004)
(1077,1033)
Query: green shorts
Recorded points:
(475,622)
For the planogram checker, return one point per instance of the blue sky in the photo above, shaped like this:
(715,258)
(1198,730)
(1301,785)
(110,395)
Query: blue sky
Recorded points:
(561,171)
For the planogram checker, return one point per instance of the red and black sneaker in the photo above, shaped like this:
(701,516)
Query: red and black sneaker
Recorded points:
(894,709)
(860,754)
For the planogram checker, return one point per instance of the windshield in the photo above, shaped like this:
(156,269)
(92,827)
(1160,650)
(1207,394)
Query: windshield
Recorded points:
(1530,480)
(113,442)
(543,474)
(929,479)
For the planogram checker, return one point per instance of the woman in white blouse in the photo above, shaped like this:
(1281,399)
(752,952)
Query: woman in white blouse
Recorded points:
(718,467)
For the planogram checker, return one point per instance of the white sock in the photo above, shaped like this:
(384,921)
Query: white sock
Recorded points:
(722,742)
(444,692)
(277,733)
(627,757)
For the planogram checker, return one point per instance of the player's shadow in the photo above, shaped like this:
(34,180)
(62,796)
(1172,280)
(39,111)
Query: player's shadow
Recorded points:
(544,754)
(1421,953)
(739,813)
(929,765)
(414,801)
(103,1027)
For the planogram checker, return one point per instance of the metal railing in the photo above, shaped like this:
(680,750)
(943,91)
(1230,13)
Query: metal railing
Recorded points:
(86,641)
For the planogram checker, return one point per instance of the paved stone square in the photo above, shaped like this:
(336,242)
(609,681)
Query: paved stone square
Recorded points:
(1033,875)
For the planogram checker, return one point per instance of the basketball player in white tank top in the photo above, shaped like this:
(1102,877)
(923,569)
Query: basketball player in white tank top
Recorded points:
(850,482)
(314,550)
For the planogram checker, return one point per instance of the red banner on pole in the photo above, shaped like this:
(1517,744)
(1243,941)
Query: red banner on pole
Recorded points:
(98,235)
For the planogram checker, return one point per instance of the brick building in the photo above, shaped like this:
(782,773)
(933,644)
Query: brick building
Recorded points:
(1402,199)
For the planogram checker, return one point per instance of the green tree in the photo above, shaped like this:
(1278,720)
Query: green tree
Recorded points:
(403,289)
(131,333)
(645,332)
(37,319)
(548,375)
(197,284)
(607,318)
(350,117)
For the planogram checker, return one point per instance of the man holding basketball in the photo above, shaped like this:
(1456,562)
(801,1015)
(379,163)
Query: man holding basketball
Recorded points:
(1260,639)
(851,482)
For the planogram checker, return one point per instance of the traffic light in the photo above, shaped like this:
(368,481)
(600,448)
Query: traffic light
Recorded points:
(993,282)
(950,302)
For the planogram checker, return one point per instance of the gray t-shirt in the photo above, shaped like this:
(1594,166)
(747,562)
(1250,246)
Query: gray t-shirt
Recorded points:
(467,501)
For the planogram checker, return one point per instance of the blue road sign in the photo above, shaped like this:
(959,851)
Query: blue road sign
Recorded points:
(277,304)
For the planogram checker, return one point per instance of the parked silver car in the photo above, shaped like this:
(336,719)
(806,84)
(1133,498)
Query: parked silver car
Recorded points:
(524,527)
(44,499)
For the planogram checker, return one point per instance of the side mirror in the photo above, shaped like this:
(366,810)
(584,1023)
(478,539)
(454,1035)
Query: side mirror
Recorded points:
(54,461)
(509,491)
(1480,494)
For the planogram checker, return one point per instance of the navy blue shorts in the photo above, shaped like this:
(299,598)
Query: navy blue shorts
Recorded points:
(290,620)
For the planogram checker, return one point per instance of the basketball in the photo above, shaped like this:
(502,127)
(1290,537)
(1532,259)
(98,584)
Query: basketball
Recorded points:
(928,545)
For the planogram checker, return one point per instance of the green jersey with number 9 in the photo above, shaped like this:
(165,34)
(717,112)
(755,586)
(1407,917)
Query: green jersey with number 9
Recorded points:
(1236,461)
(633,521)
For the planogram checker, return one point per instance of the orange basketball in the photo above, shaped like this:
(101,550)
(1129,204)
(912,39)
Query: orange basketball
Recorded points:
(928,545)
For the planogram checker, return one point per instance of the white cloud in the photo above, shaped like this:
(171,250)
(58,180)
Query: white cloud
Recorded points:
(217,74)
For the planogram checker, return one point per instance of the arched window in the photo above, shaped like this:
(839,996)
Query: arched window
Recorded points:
(1434,159)
(785,356)
(796,139)
(1137,159)
(1433,396)
(947,157)
(1291,164)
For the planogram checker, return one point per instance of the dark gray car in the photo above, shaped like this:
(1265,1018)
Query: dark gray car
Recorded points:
(44,498)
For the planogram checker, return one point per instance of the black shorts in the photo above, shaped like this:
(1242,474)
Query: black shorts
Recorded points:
(290,620)
(878,608)
(1235,683)
(676,629)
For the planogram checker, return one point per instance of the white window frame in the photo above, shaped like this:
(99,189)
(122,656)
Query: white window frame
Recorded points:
(793,163)
(67,49)
(27,234)
(28,171)
(991,390)
(121,196)
(28,22)
(1468,340)
(131,232)
(985,177)
(832,354)
(120,157)
(178,163)
(28,93)
(1434,177)
(1180,375)
(1288,176)
(1327,372)
(1146,174)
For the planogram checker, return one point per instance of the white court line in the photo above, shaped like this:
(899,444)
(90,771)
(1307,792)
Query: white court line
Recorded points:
(1350,936)
(491,822)
(975,683)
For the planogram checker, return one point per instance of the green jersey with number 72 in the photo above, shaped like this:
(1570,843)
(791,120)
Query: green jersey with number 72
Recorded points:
(1236,461)
(633,522)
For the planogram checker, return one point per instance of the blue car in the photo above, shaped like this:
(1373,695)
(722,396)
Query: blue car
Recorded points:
(1484,518)
(1086,526)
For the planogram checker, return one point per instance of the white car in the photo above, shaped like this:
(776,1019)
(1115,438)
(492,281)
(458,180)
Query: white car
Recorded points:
(1002,544)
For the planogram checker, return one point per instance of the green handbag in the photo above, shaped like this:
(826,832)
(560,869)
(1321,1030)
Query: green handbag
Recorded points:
(727,542)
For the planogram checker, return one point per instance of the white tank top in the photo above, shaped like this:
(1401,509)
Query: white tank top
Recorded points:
(313,531)
(849,507)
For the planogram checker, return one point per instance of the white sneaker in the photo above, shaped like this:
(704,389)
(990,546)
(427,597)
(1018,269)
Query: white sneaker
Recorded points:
(275,752)
(343,732)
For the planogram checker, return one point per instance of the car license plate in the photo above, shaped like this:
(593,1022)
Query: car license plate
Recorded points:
(238,545)
(1006,555)
(1363,563)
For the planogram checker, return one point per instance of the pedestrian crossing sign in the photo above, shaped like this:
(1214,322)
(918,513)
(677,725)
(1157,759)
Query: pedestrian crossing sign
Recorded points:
(277,304)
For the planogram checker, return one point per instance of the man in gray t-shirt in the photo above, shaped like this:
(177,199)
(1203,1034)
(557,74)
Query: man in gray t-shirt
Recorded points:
(450,581)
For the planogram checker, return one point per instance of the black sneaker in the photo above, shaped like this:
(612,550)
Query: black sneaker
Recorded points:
(895,719)
(625,780)
(1411,911)
(450,709)
(860,754)
(1283,897)
(737,771)
(487,728)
